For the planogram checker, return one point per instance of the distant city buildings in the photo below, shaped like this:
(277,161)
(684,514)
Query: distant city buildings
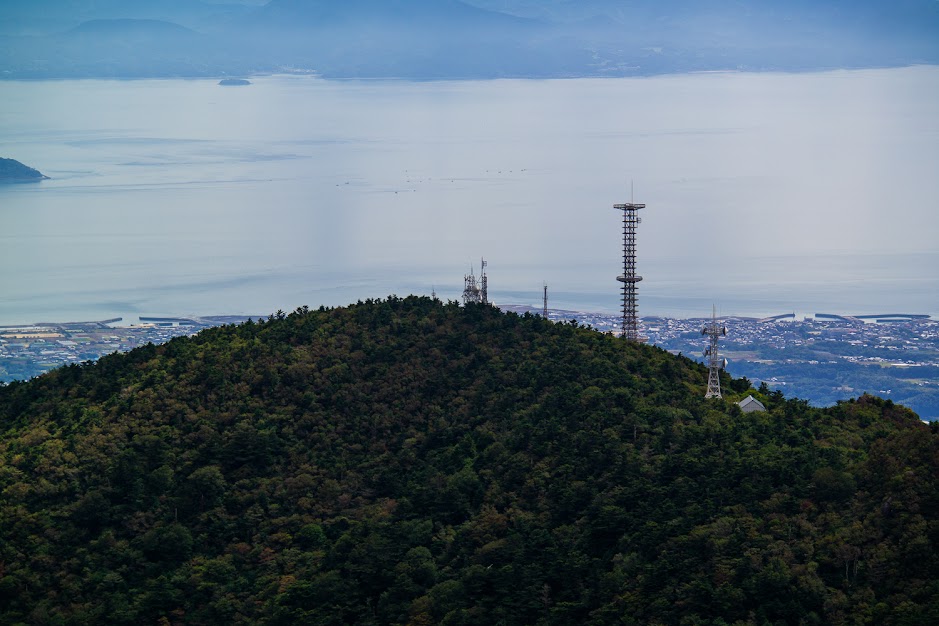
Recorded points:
(31,349)
(818,359)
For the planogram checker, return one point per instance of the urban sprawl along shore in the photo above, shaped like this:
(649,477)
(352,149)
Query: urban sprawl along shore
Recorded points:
(824,358)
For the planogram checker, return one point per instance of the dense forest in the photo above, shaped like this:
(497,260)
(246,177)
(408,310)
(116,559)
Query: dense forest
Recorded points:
(407,461)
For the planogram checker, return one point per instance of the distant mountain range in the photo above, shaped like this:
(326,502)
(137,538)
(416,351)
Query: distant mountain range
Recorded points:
(451,38)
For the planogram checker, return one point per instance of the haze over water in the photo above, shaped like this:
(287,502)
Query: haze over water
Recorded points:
(766,193)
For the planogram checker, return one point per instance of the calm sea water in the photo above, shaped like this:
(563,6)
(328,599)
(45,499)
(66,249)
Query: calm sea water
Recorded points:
(765,193)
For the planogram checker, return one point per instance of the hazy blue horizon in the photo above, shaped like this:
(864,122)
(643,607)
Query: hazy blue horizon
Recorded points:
(766,193)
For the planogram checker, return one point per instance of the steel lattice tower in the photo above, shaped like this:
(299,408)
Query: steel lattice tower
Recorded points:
(471,288)
(630,279)
(544,310)
(476,291)
(714,330)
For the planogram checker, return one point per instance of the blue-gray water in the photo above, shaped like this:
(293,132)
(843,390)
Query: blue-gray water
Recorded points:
(766,193)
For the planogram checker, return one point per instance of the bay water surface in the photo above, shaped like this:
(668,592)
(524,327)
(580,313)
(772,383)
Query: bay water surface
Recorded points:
(765,193)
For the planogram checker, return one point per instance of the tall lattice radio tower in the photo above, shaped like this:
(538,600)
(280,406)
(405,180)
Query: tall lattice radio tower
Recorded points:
(630,279)
(714,330)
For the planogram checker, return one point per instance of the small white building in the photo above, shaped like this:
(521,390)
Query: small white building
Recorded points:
(751,405)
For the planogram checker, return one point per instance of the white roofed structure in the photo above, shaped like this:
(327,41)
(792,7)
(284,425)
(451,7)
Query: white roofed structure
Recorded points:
(751,405)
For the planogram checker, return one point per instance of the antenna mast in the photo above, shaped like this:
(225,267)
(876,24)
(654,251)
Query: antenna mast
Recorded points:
(629,278)
(544,310)
(714,330)
(471,288)
(476,291)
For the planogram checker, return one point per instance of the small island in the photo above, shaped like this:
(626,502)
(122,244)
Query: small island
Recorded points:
(12,171)
(233,82)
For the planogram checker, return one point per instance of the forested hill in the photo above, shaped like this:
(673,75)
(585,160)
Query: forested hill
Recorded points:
(412,462)
(12,170)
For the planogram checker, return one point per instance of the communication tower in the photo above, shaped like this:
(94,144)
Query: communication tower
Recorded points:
(629,278)
(714,330)
(544,310)
(471,288)
(476,290)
